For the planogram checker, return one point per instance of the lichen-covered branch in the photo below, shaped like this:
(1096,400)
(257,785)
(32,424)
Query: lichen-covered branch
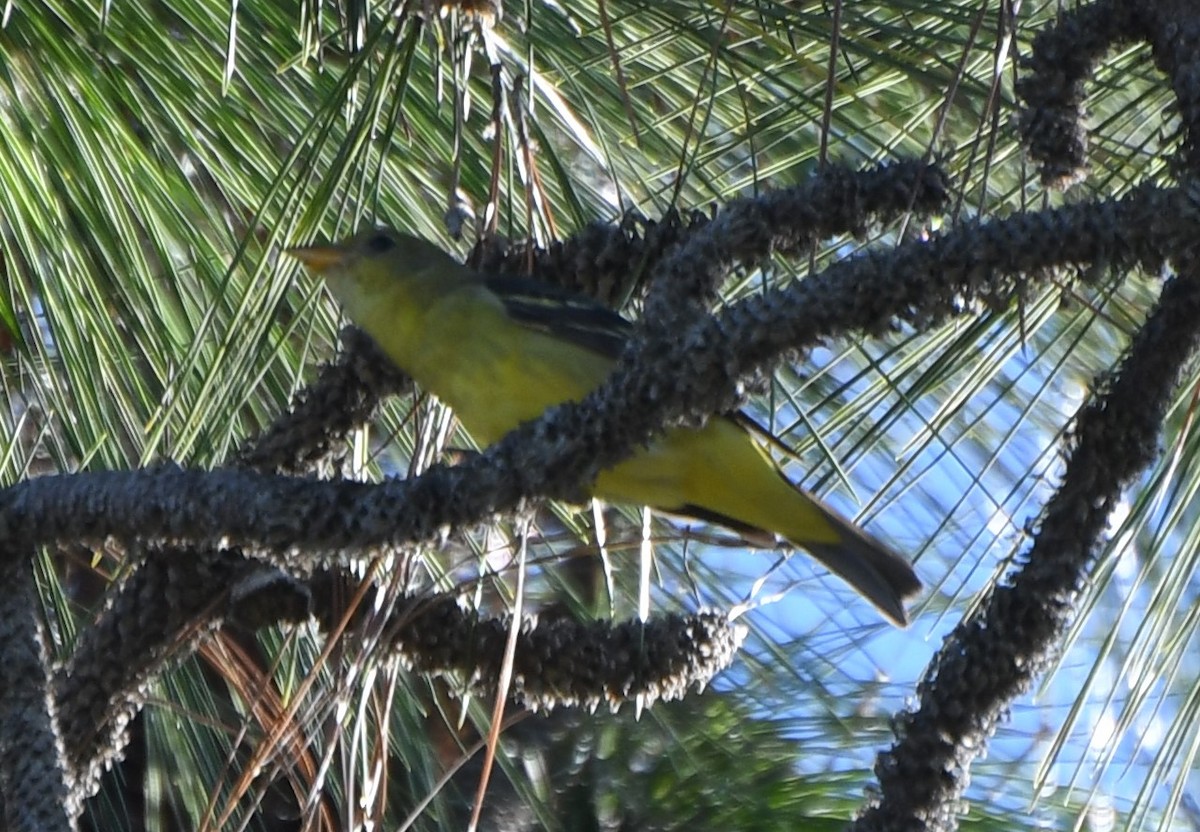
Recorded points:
(1054,91)
(158,612)
(33,774)
(665,377)
(342,398)
(180,584)
(995,656)
(614,262)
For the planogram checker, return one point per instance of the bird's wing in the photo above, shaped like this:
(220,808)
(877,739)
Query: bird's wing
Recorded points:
(584,322)
(563,314)
(765,436)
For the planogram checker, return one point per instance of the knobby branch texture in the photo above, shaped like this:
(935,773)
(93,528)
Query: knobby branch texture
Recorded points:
(174,596)
(32,780)
(298,522)
(997,654)
(295,519)
(683,365)
(613,263)
(184,523)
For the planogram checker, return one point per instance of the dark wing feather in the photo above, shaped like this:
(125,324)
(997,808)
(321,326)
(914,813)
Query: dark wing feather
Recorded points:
(581,320)
(562,313)
(752,426)
(871,568)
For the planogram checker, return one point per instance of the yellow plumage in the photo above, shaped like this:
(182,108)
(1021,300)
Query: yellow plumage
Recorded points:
(500,351)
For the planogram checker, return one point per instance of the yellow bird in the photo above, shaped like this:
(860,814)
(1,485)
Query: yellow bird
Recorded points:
(500,350)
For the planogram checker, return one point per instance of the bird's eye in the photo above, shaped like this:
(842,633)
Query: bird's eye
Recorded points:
(379,243)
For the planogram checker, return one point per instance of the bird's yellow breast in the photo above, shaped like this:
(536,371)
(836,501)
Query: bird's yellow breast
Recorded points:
(493,372)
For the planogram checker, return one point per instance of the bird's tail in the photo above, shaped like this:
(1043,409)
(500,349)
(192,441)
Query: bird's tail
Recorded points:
(876,572)
(880,575)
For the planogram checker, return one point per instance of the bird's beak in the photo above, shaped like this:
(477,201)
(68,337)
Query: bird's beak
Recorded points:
(319,259)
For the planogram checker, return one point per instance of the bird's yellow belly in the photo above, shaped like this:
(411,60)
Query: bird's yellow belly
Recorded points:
(495,374)
(494,380)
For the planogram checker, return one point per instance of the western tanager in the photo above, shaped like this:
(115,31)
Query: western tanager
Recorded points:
(500,350)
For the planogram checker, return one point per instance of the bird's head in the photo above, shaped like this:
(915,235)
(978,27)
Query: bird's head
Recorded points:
(375,262)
